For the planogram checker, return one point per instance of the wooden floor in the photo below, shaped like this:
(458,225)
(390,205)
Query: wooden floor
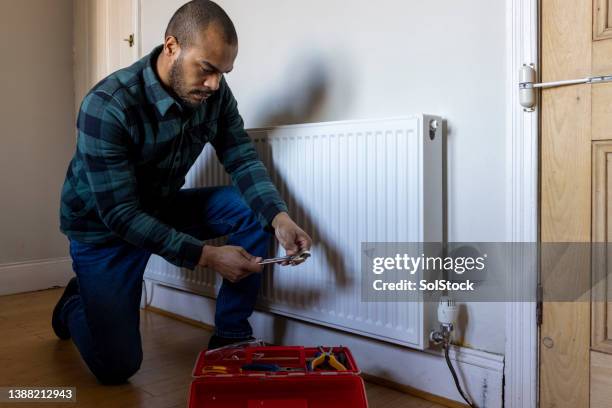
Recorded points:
(31,355)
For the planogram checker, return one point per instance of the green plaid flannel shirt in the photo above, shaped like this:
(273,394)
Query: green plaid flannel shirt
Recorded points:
(135,145)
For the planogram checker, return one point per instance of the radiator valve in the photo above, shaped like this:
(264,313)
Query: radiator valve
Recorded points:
(447,316)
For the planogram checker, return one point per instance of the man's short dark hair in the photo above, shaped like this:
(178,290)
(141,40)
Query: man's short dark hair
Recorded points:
(194,17)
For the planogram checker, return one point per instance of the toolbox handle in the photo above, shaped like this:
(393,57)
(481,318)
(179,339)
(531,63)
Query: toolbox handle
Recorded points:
(298,349)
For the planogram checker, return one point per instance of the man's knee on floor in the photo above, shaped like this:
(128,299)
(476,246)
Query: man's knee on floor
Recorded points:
(117,370)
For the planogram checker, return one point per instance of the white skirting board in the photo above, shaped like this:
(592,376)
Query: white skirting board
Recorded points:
(34,275)
(480,373)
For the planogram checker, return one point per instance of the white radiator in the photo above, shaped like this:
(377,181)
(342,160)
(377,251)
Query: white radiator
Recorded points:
(345,183)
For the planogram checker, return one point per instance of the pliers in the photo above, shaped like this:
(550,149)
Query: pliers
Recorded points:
(326,358)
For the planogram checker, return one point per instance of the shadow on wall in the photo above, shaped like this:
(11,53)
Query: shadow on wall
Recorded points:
(302,98)
(316,85)
(301,101)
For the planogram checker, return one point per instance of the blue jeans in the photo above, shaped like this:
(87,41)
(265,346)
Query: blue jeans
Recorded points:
(104,317)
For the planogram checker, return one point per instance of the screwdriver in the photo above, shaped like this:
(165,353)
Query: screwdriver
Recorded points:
(268,367)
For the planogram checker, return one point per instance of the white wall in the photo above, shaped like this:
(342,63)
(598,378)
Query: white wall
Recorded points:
(37,133)
(320,60)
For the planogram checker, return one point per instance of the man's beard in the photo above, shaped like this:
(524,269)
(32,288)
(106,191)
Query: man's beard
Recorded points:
(177,83)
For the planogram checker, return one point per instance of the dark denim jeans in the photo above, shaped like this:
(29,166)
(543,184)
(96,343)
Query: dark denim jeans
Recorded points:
(104,317)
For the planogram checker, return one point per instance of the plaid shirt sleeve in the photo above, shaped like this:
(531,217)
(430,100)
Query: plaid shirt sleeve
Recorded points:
(104,142)
(238,156)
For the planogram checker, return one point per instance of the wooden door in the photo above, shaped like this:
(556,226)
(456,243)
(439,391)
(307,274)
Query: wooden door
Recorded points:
(122,34)
(102,29)
(576,200)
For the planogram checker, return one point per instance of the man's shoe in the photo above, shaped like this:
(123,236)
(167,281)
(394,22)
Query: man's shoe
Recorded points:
(216,341)
(61,329)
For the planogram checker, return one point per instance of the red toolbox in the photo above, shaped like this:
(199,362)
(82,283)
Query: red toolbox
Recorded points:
(239,377)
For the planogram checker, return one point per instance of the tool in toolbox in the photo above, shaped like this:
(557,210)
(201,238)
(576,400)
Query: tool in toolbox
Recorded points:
(269,367)
(325,360)
(292,259)
(214,370)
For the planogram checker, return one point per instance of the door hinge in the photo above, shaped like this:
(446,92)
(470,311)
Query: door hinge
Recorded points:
(528,85)
(539,300)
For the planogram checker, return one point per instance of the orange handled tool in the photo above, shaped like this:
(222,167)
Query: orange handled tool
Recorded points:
(326,358)
(214,370)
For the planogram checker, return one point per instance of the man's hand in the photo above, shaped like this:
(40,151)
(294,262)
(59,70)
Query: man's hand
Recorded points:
(232,262)
(290,236)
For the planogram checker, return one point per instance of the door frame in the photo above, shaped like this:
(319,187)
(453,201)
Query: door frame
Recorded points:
(522,212)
